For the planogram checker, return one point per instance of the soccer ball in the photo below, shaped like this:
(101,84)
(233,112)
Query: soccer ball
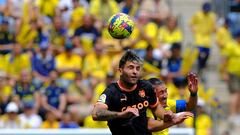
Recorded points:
(120,26)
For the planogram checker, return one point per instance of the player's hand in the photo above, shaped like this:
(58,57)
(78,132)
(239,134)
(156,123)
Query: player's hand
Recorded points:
(180,117)
(192,83)
(129,112)
(168,116)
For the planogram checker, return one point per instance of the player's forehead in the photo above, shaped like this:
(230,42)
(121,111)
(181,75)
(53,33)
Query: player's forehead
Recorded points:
(133,63)
(161,87)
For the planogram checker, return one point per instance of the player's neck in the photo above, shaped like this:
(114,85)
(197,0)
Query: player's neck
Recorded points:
(126,87)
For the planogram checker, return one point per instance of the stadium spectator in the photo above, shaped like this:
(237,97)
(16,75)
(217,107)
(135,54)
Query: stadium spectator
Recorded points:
(29,34)
(76,16)
(130,7)
(79,91)
(97,60)
(203,25)
(103,9)
(47,8)
(231,74)
(6,37)
(17,61)
(43,62)
(67,63)
(174,67)
(144,32)
(202,117)
(5,90)
(169,34)
(25,91)
(87,36)
(29,118)
(79,95)
(50,122)
(54,96)
(11,118)
(58,34)
(67,122)
(223,35)
(157,10)
(152,65)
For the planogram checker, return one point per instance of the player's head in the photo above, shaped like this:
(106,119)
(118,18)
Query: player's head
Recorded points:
(160,89)
(206,7)
(130,68)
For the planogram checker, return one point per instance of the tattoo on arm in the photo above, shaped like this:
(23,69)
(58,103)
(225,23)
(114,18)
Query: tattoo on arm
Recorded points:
(106,115)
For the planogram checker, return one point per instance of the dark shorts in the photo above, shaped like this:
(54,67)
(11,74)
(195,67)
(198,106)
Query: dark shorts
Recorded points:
(234,83)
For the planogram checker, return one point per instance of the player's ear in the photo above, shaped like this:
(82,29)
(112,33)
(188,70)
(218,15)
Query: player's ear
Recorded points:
(120,70)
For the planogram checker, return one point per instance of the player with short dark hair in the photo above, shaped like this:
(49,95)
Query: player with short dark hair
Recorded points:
(175,106)
(123,103)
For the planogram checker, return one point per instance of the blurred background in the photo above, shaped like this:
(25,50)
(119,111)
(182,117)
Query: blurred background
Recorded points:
(56,57)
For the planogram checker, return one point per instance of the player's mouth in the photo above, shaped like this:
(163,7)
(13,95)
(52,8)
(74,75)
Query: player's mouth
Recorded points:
(133,78)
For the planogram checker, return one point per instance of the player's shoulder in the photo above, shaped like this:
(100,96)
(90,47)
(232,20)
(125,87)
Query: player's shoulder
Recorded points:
(171,102)
(145,83)
(112,87)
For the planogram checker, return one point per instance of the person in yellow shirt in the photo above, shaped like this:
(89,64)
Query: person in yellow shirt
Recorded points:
(202,25)
(170,33)
(76,16)
(5,90)
(87,36)
(67,63)
(103,9)
(58,34)
(223,35)
(50,122)
(28,34)
(47,7)
(144,33)
(97,60)
(231,74)
(202,117)
(17,61)
(175,106)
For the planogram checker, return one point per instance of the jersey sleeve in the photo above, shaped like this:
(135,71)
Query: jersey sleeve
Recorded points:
(181,106)
(106,97)
(153,101)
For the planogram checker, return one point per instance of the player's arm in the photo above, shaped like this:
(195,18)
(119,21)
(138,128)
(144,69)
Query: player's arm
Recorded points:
(101,113)
(159,112)
(158,125)
(193,89)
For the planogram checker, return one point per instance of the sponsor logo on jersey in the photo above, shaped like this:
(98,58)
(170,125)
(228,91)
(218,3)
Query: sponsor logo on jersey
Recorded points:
(139,106)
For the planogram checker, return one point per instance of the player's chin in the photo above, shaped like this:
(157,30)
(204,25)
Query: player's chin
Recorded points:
(133,80)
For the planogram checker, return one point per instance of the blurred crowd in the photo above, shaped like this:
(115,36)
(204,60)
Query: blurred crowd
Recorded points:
(56,57)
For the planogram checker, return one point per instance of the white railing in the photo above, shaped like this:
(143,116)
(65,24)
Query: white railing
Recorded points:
(83,131)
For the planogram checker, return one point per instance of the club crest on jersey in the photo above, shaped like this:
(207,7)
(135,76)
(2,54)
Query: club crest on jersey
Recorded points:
(102,98)
(141,93)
